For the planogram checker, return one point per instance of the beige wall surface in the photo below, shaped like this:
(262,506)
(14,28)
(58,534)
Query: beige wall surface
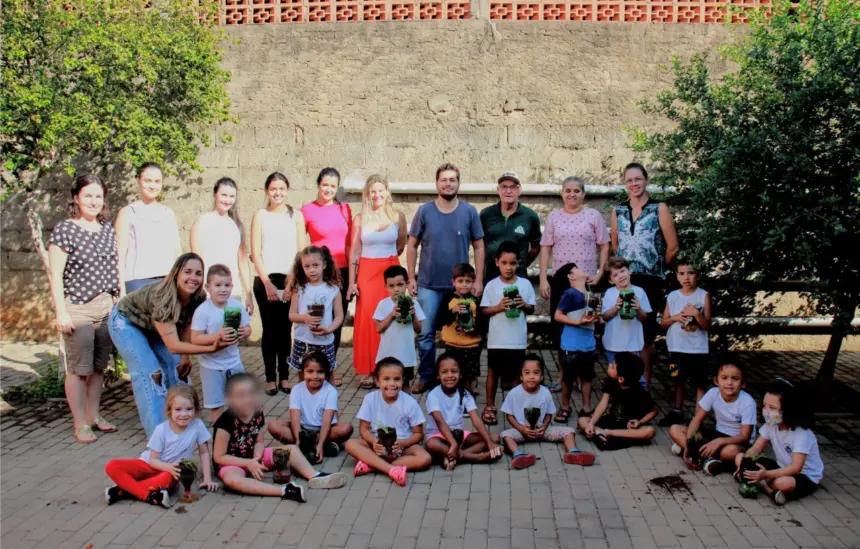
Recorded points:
(545,99)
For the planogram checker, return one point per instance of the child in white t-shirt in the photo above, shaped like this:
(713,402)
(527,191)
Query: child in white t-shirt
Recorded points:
(391,427)
(507,337)
(316,310)
(447,437)
(398,333)
(532,395)
(313,410)
(687,319)
(207,326)
(624,334)
(735,414)
(798,469)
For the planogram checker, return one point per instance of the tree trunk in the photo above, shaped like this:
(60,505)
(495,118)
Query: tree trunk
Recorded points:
(841,326)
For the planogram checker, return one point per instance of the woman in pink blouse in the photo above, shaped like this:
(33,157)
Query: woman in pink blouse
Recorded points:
(573,234)
(329,223)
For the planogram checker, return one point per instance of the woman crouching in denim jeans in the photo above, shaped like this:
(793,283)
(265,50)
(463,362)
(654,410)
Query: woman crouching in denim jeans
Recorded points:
(151,326)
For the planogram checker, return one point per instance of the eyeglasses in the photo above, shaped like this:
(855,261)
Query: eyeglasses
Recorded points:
(506,188)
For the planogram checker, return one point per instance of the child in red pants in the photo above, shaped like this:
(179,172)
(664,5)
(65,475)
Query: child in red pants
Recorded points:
(149,477)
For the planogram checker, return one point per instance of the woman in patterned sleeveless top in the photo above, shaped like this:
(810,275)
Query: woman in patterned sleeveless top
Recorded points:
(643,233)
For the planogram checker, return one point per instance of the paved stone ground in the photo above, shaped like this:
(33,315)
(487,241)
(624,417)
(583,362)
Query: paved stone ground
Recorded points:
(52,491)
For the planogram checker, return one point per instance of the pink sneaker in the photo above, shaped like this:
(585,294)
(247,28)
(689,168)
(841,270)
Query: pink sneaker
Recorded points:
(361,468)
(398,474)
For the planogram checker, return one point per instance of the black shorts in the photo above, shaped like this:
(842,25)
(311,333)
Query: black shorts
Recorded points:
(606,422)
(709,434)
(506,363)
(693,367)
(655,288)
(408,375)
(803,484)
(578,364)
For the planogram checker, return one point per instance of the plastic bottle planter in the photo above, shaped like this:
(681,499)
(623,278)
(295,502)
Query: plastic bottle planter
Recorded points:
(187,476)
(627,312)
(404,305)
(691,325)
(308,444)
(316,310)
(465,319)
(592,304)
(748,490)
(387,436)
(458,435)
(694,458)
(233,318)
(512,292)
(532,416)
(281,466)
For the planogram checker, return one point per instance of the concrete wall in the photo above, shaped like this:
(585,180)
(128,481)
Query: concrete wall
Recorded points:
(545,99)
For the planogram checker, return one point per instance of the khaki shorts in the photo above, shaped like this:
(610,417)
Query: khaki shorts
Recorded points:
(88,348)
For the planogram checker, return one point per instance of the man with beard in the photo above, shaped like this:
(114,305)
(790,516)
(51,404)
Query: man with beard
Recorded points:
(444,228)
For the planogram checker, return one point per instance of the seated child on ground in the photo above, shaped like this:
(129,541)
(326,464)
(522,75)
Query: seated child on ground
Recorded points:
(507,300)
(532,398)
(155,472)
(398,333)
(577,341)
(391,426)
(625,408)
(207,326)
(313,412)
(687,319)
(459,316)
(798,468)
(240,450)
(445,405)
(735,414)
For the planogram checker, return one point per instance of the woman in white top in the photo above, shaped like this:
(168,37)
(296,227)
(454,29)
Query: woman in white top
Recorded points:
(277,233)
(219,238)
(376,245)
(147,237)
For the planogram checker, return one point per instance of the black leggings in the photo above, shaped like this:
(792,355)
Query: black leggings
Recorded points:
(344,286)
(277,329)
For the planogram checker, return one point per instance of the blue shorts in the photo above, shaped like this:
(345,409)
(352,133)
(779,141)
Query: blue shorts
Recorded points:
(214,382)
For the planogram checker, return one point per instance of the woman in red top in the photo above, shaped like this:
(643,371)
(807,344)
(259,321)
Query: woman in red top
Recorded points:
(329,223)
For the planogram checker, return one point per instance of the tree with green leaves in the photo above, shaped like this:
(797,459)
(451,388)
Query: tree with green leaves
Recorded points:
(767,157)
(108,82)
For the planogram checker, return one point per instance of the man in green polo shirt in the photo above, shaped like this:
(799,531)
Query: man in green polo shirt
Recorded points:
(510,220)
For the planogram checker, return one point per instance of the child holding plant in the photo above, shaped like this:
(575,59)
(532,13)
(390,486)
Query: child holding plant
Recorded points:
(798,468)
(458,316)
(625,308)
(625,409)
(317,310)
(735,413)
(529,409)
(391,426)
(313,423)
(447,438)
(240,450)
(219,317)
(155,472)
(398,318)
(507,300)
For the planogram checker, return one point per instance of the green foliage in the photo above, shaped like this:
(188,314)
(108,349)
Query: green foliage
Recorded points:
(48,385)
(109,80)
(768,156)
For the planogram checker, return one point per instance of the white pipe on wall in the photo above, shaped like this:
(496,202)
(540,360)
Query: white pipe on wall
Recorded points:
(355,186)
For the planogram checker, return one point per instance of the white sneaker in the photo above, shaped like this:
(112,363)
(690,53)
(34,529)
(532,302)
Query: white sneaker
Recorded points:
(676,449)
(779,497)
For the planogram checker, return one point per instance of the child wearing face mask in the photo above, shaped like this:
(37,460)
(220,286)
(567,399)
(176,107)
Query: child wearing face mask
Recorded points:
(798,468)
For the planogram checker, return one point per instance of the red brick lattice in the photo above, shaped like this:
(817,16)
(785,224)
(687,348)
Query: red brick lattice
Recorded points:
(256,12)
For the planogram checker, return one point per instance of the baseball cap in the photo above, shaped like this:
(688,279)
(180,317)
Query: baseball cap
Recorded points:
(511,176)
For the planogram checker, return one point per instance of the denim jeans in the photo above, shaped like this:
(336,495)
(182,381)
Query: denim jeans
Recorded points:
(145,355)
(430,301)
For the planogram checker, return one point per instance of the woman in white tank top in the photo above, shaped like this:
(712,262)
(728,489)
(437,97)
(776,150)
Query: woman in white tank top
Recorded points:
(147,238)
(376,245)
(277,233)
(219,238)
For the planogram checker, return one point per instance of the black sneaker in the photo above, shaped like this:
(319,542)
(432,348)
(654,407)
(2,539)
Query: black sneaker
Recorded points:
(160,498)
(331,449)
(583,413)
(114,494)
(294,492)
(674,417)
(713,467)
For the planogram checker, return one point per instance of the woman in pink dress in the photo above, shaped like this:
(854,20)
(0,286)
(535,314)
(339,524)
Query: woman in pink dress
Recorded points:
(573,234)
(329,223)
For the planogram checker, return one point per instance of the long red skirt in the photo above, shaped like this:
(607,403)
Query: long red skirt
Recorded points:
(371,290)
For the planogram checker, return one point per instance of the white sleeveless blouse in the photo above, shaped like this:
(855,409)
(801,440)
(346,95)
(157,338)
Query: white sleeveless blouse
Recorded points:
(278,241)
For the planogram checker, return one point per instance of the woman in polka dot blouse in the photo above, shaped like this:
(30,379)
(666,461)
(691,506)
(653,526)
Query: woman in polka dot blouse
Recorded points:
(84,285)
